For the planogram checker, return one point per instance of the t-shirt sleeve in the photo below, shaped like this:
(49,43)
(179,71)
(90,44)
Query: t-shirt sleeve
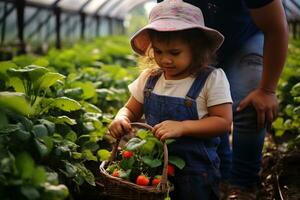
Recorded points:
(217,88)
(252,4)
(136,88)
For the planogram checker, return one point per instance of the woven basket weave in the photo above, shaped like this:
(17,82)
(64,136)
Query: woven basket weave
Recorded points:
(122,189)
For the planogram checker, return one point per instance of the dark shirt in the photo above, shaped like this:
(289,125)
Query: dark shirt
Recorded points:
(231,18)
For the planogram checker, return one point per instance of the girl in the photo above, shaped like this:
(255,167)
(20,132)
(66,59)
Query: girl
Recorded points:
(181,95)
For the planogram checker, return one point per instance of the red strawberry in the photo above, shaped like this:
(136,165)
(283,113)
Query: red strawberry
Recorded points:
(127,154)
(116,173)
(171,170)
(142,180)
(155,181)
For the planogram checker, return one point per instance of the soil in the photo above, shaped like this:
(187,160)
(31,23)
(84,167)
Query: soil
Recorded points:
(280,171)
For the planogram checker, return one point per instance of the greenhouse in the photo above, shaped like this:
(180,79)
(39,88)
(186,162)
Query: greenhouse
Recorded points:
(68,67)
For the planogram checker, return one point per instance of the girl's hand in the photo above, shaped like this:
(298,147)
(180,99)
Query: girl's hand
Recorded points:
(168,129)
(265,104)
(119,127)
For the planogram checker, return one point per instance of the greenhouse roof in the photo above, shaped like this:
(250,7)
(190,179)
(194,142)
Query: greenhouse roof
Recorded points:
(111,8)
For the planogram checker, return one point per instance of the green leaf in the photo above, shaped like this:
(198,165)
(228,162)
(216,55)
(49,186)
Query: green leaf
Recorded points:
(76,155)
(71,136)
(22,135)
(66,104)
(25,165)
(169,141)
(41,147)
(153,163)
(70,169)
(149,146)
(178,162)
(62,120)
(15,101)
(50,125)
(134,143)
(5,65)
(39,176)
(41,62)
(74,93)
(86,174)
(88,154)
(90,108)
(52,177)
(141,133)
(30,73)
(30,192)
(125,174)
(55,192)
(297,99)
(88,88)
(10,128)
(3,120)
(39,130)
(17,84)
(296,90)
(127,163)
(47,80)
(103,154)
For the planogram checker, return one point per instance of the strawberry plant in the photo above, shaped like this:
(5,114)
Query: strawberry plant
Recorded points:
(141,160)
(288,122)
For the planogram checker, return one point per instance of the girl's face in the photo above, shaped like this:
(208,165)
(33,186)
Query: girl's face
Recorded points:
(173,57)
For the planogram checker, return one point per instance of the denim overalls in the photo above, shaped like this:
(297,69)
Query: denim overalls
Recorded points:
(199,178)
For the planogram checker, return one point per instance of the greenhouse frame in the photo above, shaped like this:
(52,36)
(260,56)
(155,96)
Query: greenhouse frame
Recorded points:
(54,21)
(74,117)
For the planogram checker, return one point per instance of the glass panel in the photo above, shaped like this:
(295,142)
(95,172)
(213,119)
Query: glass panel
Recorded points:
(123,7)
(10,26)
(93,6)
(71,4)
(104,27)
(90,28)
(123,11)
(107,7)
(45,2)
(294,11)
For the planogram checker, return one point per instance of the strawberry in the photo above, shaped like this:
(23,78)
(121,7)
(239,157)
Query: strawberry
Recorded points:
(171,170)
(116,173)
(155,181)
(142,180)
(127,154)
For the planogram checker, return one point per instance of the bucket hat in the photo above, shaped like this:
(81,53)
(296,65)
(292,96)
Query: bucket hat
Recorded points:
(174,15)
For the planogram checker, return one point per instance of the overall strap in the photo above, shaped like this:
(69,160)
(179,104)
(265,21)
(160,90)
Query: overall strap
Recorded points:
(150,83)
(198,84)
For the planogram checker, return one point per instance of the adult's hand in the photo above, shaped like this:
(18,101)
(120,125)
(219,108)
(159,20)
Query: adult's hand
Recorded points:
(265,104)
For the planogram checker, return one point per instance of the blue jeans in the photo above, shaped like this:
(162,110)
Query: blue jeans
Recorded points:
(243,70)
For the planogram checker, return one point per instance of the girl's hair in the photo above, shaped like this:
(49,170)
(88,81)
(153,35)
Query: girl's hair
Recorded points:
(200,44)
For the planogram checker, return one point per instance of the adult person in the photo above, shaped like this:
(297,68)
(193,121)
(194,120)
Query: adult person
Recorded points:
(252,56)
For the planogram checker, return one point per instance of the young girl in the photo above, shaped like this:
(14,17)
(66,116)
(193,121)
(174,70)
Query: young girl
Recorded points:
(181,96)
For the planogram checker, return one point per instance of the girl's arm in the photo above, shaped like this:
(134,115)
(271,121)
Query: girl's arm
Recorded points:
(132,111)
(218,122)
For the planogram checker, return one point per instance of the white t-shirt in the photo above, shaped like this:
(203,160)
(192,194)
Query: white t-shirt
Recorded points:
(215,91)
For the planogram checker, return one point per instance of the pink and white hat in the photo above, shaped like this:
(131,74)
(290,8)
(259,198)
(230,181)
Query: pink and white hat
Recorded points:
(173,15)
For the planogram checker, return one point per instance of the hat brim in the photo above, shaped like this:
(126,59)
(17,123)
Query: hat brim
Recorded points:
(140,41)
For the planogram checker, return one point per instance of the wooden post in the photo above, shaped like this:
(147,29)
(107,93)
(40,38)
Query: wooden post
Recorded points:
(20,23)
(57,13)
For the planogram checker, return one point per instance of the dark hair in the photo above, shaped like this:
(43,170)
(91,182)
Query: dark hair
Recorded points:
(200,44)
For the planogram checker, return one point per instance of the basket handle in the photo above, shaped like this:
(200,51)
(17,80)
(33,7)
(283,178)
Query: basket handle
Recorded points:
(163,181)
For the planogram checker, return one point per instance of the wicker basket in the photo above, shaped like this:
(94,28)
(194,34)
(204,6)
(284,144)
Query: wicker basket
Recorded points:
(122,189)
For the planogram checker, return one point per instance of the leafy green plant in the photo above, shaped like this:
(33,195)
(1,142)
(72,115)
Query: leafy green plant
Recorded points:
(142,156)
(288,92)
